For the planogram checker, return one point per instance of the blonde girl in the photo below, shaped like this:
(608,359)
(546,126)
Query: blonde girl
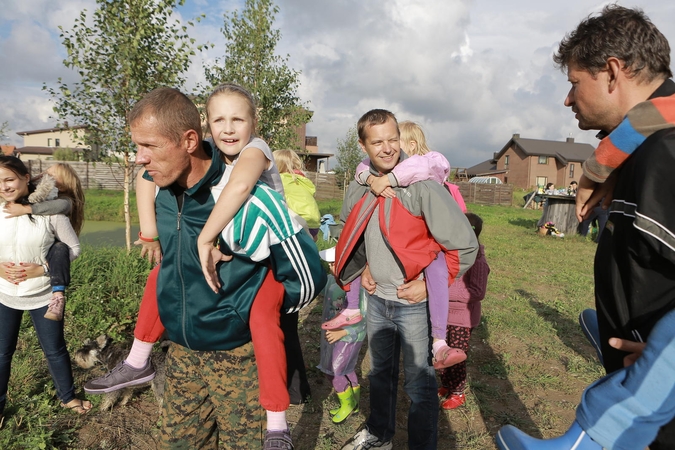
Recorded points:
(299,189)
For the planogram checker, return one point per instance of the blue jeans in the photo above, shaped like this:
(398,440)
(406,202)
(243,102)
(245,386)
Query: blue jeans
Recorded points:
(393,327)
(50,336)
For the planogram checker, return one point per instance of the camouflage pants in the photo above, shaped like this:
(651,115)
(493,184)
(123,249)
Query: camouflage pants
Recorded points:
(211,395)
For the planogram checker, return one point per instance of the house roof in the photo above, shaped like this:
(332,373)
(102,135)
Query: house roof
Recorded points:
(562,151)
(32,150)
(484,167)
(51,130)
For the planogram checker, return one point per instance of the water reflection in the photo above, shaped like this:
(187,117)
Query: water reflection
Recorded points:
(101,233)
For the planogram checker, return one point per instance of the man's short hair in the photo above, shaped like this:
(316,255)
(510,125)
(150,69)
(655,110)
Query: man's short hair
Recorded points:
(623,33)
(174,111)
(374,117)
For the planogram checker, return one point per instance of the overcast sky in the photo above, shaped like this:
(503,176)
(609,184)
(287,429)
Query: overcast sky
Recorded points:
(472,73)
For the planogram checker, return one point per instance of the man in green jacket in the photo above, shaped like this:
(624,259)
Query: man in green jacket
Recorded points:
(212,385)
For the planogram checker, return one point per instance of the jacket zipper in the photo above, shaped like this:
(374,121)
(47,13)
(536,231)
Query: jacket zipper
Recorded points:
(180,270)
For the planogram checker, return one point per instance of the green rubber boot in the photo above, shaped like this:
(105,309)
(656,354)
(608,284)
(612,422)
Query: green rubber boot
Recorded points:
(357,399)
(357,396)
(347,404)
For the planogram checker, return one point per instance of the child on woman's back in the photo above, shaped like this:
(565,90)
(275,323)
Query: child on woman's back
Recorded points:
(464,315)
(231,118)
(69,201)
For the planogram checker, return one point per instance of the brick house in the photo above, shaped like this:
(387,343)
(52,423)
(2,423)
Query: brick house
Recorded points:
(526,163)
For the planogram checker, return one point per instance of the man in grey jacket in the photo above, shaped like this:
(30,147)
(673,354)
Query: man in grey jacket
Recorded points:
(398,320)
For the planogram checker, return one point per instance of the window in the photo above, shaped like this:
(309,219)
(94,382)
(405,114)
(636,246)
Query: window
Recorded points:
(571,170)
(57,142)
(49,142)
(506,161)
(542,181)
(543,159)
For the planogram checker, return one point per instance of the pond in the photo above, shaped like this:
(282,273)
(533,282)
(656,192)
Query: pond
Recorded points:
(101,233)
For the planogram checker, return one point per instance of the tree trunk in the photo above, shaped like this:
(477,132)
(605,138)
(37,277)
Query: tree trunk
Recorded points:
(127,213)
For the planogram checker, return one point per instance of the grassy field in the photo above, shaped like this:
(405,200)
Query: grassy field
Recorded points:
(528,364)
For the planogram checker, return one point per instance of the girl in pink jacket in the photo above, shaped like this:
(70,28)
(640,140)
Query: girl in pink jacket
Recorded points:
(465,296)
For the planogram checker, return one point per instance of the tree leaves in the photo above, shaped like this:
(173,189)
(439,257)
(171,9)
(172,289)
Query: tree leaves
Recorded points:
(251,62)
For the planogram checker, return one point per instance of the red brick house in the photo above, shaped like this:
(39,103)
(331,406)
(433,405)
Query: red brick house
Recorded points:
(526,163)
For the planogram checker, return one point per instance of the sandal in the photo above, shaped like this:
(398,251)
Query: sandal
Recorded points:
(78,406)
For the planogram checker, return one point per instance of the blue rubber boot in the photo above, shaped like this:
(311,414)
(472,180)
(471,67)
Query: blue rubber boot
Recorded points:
(588,319)
(511,438)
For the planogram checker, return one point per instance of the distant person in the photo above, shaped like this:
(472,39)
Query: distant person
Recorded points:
(24,243)
(572,188)
(298,189)
(549,189)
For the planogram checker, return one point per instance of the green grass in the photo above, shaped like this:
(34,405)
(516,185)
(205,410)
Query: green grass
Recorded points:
(527,366)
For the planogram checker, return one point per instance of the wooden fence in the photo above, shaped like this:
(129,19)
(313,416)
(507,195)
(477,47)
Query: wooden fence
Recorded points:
(487,194)
(93,175)
(103,176)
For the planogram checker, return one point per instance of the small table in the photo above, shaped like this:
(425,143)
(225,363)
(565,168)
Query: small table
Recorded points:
(560,209)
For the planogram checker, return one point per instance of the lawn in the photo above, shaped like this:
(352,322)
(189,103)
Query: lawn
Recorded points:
(528,364)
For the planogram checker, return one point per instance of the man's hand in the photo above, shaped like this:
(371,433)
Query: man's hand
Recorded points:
(414,291)
(367,281)
(151,250)
(634,348)
(589,194)
(15,210)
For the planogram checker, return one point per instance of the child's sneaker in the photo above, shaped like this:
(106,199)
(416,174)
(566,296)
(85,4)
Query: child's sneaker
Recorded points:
(453,401)
(55,308)
(278,440)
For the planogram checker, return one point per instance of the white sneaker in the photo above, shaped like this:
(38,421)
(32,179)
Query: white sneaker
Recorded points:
(363,440)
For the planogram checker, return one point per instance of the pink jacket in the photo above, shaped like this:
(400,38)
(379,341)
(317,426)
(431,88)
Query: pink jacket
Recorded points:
(431,166)
(466,294)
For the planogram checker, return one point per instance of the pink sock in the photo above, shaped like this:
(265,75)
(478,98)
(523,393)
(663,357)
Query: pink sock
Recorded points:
(350,312)
(276,421)
(437,345)
(139,354)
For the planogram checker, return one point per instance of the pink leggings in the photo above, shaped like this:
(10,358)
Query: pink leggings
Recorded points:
(266,334)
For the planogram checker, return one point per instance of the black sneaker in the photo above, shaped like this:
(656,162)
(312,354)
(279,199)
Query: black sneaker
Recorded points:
(278,440)
(363,440)
(121,376)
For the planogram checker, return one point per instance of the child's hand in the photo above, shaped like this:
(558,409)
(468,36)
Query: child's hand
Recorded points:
(209,256)
(16,210)
(151,250)
(332,336)
(380,184)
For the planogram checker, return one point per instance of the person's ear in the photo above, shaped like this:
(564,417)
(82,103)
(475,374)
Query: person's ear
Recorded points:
(363,147)
(614,70)
(191,141)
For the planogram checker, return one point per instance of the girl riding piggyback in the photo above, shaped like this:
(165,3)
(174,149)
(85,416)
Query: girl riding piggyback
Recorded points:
(231,115)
